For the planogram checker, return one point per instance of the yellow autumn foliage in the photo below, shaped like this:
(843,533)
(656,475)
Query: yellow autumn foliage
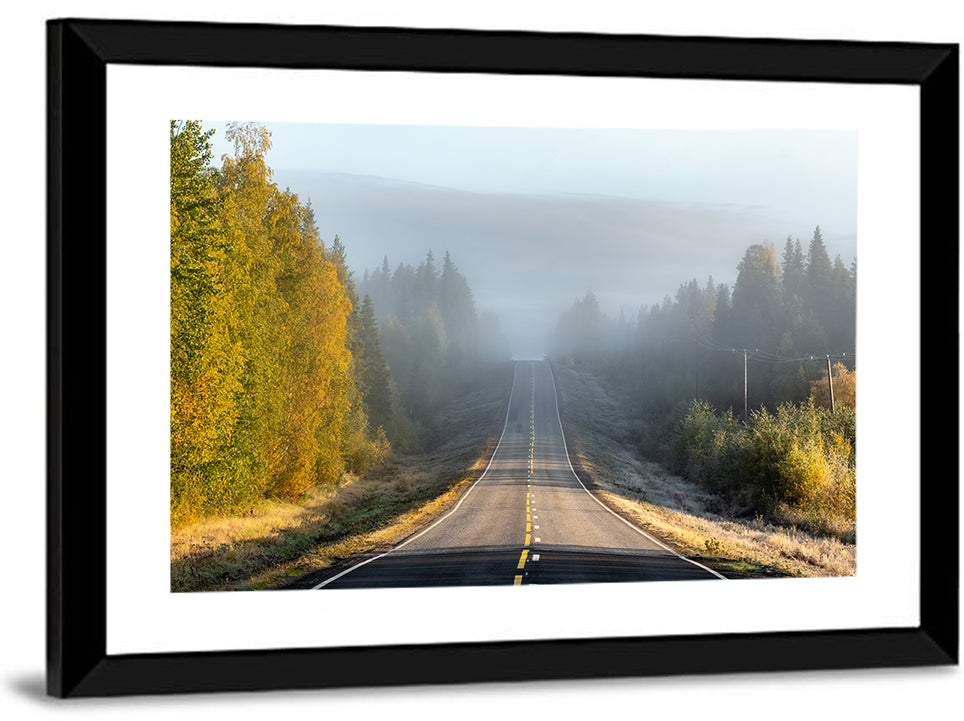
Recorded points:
(844,388)
(262,382)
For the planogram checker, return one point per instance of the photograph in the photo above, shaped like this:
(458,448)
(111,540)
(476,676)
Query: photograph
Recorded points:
(407,355)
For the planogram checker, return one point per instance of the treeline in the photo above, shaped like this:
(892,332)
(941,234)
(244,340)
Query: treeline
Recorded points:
(431,334)
(277,378)
(731,387)
(692,345)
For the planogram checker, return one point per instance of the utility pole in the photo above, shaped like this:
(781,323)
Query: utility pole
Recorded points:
(746,415)
(830,383)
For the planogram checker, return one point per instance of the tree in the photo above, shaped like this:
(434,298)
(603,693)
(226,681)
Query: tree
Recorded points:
(818,287)
(292,327)
(399,350)
(316,371)
(721,314)
(458,311)
(206,363)
(756,312)
(426,386)
(793,268)
(374,377)
(580,330)
(426,283)
(252,273)
(429,331)
(844,388)
(842,314)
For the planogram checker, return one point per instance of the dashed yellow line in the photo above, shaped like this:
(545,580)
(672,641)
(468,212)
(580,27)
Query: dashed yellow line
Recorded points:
(517,581)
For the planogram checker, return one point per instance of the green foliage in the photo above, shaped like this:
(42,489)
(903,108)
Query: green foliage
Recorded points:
(690,346)
(206,361)
(793,466)
(365,451)
(757,299)
(429,340)
(264,399)
(844,388)
(280,378)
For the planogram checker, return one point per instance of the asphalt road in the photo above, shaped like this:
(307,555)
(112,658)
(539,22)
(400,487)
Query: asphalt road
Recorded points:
(527,520)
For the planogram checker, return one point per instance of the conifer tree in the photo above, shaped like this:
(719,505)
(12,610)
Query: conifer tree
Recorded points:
(205,363)
(757,299)
(793,269)
(458,312)
(819,280)
(374,378)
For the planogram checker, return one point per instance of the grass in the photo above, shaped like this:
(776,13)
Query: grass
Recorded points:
(287,545)
(284,545)
(599,429)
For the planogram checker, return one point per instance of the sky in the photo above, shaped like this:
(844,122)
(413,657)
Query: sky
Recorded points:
(535,218)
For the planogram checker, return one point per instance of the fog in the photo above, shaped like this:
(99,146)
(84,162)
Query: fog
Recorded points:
(527,257)
(535,218)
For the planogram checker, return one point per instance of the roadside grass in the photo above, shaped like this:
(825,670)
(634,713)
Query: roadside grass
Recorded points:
(285,545)
(686,516)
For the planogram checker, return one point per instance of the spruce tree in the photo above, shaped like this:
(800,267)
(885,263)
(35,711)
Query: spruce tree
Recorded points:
(374,378)
(206,364)
(757,300)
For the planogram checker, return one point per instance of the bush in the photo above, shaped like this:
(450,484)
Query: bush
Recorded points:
(369,454)
(703,446)
(795,466)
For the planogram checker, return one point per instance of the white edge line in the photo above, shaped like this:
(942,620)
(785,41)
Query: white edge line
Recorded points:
(565,447)
(505,424)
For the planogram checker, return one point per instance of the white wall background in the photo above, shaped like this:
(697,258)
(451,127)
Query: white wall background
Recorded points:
(920,693)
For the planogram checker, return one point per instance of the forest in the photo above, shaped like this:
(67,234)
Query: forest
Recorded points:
(749,390)
(429,331)
(288,372)
(285,373)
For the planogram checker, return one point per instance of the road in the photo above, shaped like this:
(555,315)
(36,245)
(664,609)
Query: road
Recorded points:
(527,520)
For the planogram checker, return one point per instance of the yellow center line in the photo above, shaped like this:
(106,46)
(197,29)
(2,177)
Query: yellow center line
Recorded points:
(532,445)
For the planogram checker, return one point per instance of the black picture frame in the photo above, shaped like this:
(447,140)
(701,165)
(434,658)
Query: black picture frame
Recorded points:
(79,52)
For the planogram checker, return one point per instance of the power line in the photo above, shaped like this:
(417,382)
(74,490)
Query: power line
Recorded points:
(764,356)
(773,359)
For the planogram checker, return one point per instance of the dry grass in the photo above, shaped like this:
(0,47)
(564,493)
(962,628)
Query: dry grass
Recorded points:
(281,544)
(599,430)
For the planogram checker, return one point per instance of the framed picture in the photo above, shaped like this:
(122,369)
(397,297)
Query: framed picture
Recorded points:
(116,624)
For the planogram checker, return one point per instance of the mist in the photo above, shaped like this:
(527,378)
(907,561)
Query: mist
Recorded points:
(537,217)
(527,256)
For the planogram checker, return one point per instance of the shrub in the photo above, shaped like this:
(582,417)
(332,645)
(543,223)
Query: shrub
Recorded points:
(702,441)
(369,453)
(795,466)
